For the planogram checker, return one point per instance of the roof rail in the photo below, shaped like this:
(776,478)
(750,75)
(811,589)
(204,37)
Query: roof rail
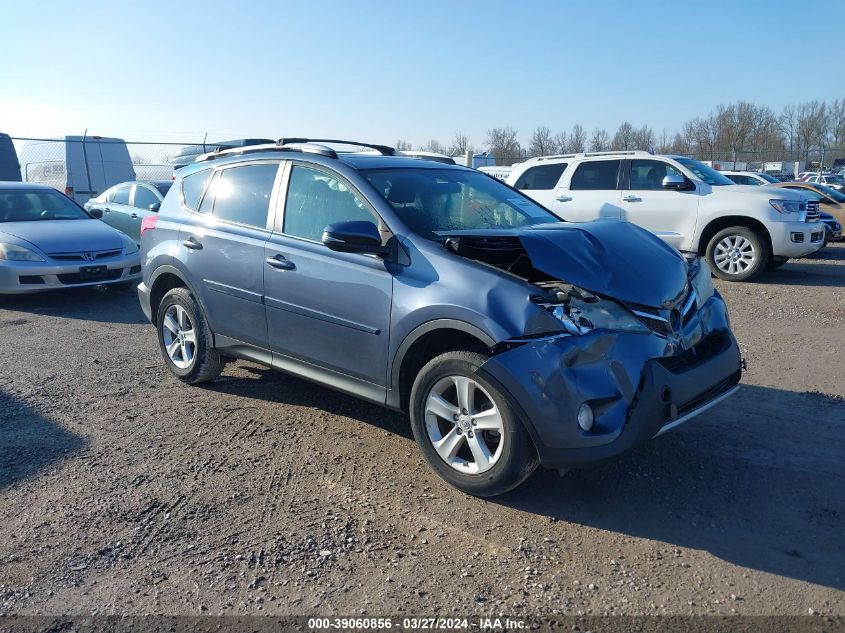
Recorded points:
(553,156)
(633,152)
(384,150)
(309,146)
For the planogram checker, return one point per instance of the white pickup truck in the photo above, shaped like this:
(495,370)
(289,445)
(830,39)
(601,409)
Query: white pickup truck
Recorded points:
(740,230)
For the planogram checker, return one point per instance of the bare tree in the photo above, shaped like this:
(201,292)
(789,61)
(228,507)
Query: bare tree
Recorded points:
(542,143)
(836,118)
(562,143)
(460,145)
(624,137)
(643,138)
(706,133)
(578,139)
(599,141)
(403,145)
(812,126)
(663,143)
(503,144)
(435,146)
(789,127)
(681,144)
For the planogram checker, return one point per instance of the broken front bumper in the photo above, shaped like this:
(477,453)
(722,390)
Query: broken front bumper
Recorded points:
(638,385)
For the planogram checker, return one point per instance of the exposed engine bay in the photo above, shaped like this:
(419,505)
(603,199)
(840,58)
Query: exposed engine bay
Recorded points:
(602,299)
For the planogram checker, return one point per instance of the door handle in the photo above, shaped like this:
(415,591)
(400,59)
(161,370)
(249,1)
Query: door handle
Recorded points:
(632,199)
(563,198)
(280,262)
(107,210)
(192,243)
(134,216)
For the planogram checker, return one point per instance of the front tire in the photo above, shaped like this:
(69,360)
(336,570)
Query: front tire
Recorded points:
(737,254)
(185,340)
(466,429)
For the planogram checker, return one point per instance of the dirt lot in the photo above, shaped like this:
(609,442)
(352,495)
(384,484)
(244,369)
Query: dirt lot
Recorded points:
(124,492)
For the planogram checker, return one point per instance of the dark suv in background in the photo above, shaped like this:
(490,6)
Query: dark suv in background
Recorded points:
(509,336)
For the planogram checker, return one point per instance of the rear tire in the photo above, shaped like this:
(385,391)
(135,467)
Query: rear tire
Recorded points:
(466,429)
(185,340)
(737,253)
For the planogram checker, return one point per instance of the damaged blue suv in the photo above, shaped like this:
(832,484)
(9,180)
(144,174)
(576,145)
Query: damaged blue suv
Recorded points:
(510,338)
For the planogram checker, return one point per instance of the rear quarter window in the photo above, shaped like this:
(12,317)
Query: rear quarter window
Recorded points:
(193,187)
(540,178)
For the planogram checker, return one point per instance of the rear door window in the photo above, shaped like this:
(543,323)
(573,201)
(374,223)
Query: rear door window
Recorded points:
(121,195)
(596,174)
(541,177)
(242,194)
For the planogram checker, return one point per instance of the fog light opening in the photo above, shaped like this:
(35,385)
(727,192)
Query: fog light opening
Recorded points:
(585,417)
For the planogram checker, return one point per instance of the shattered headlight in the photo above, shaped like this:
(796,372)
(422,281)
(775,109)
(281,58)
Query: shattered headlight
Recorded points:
(580,311)
(572,318)
(701,280)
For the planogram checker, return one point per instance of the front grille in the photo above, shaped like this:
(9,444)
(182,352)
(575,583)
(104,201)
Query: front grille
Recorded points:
(714,392)
(81,257)
(76,278)
(706,348)
(659,321)
(652,320)
(812,210)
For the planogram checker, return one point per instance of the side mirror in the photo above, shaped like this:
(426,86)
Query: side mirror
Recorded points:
(155,206)
(358,236)
(676,182)
(96,213)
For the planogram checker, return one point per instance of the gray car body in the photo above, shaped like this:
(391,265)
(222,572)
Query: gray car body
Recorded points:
(359,323)
(65,246)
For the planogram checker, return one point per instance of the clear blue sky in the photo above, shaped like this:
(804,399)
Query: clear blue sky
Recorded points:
(403,69)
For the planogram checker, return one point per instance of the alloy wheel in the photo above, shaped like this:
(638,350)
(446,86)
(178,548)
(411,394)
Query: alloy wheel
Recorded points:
(179,336)
(464,425)
(734,254)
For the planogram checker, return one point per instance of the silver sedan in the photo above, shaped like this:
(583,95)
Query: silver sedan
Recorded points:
(47,241)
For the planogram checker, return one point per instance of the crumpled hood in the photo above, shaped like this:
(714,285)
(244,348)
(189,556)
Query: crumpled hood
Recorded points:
(609,257)
(65,236)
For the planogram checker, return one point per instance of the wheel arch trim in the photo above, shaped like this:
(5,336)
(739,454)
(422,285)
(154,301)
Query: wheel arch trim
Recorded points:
(414,335)
(176,272)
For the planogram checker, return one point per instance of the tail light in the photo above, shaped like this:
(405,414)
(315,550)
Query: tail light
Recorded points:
(69,191)
(148,223)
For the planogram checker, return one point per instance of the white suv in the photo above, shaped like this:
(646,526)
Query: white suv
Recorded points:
(741,230)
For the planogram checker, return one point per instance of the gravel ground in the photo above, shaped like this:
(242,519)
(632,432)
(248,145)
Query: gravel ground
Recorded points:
(124,492)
